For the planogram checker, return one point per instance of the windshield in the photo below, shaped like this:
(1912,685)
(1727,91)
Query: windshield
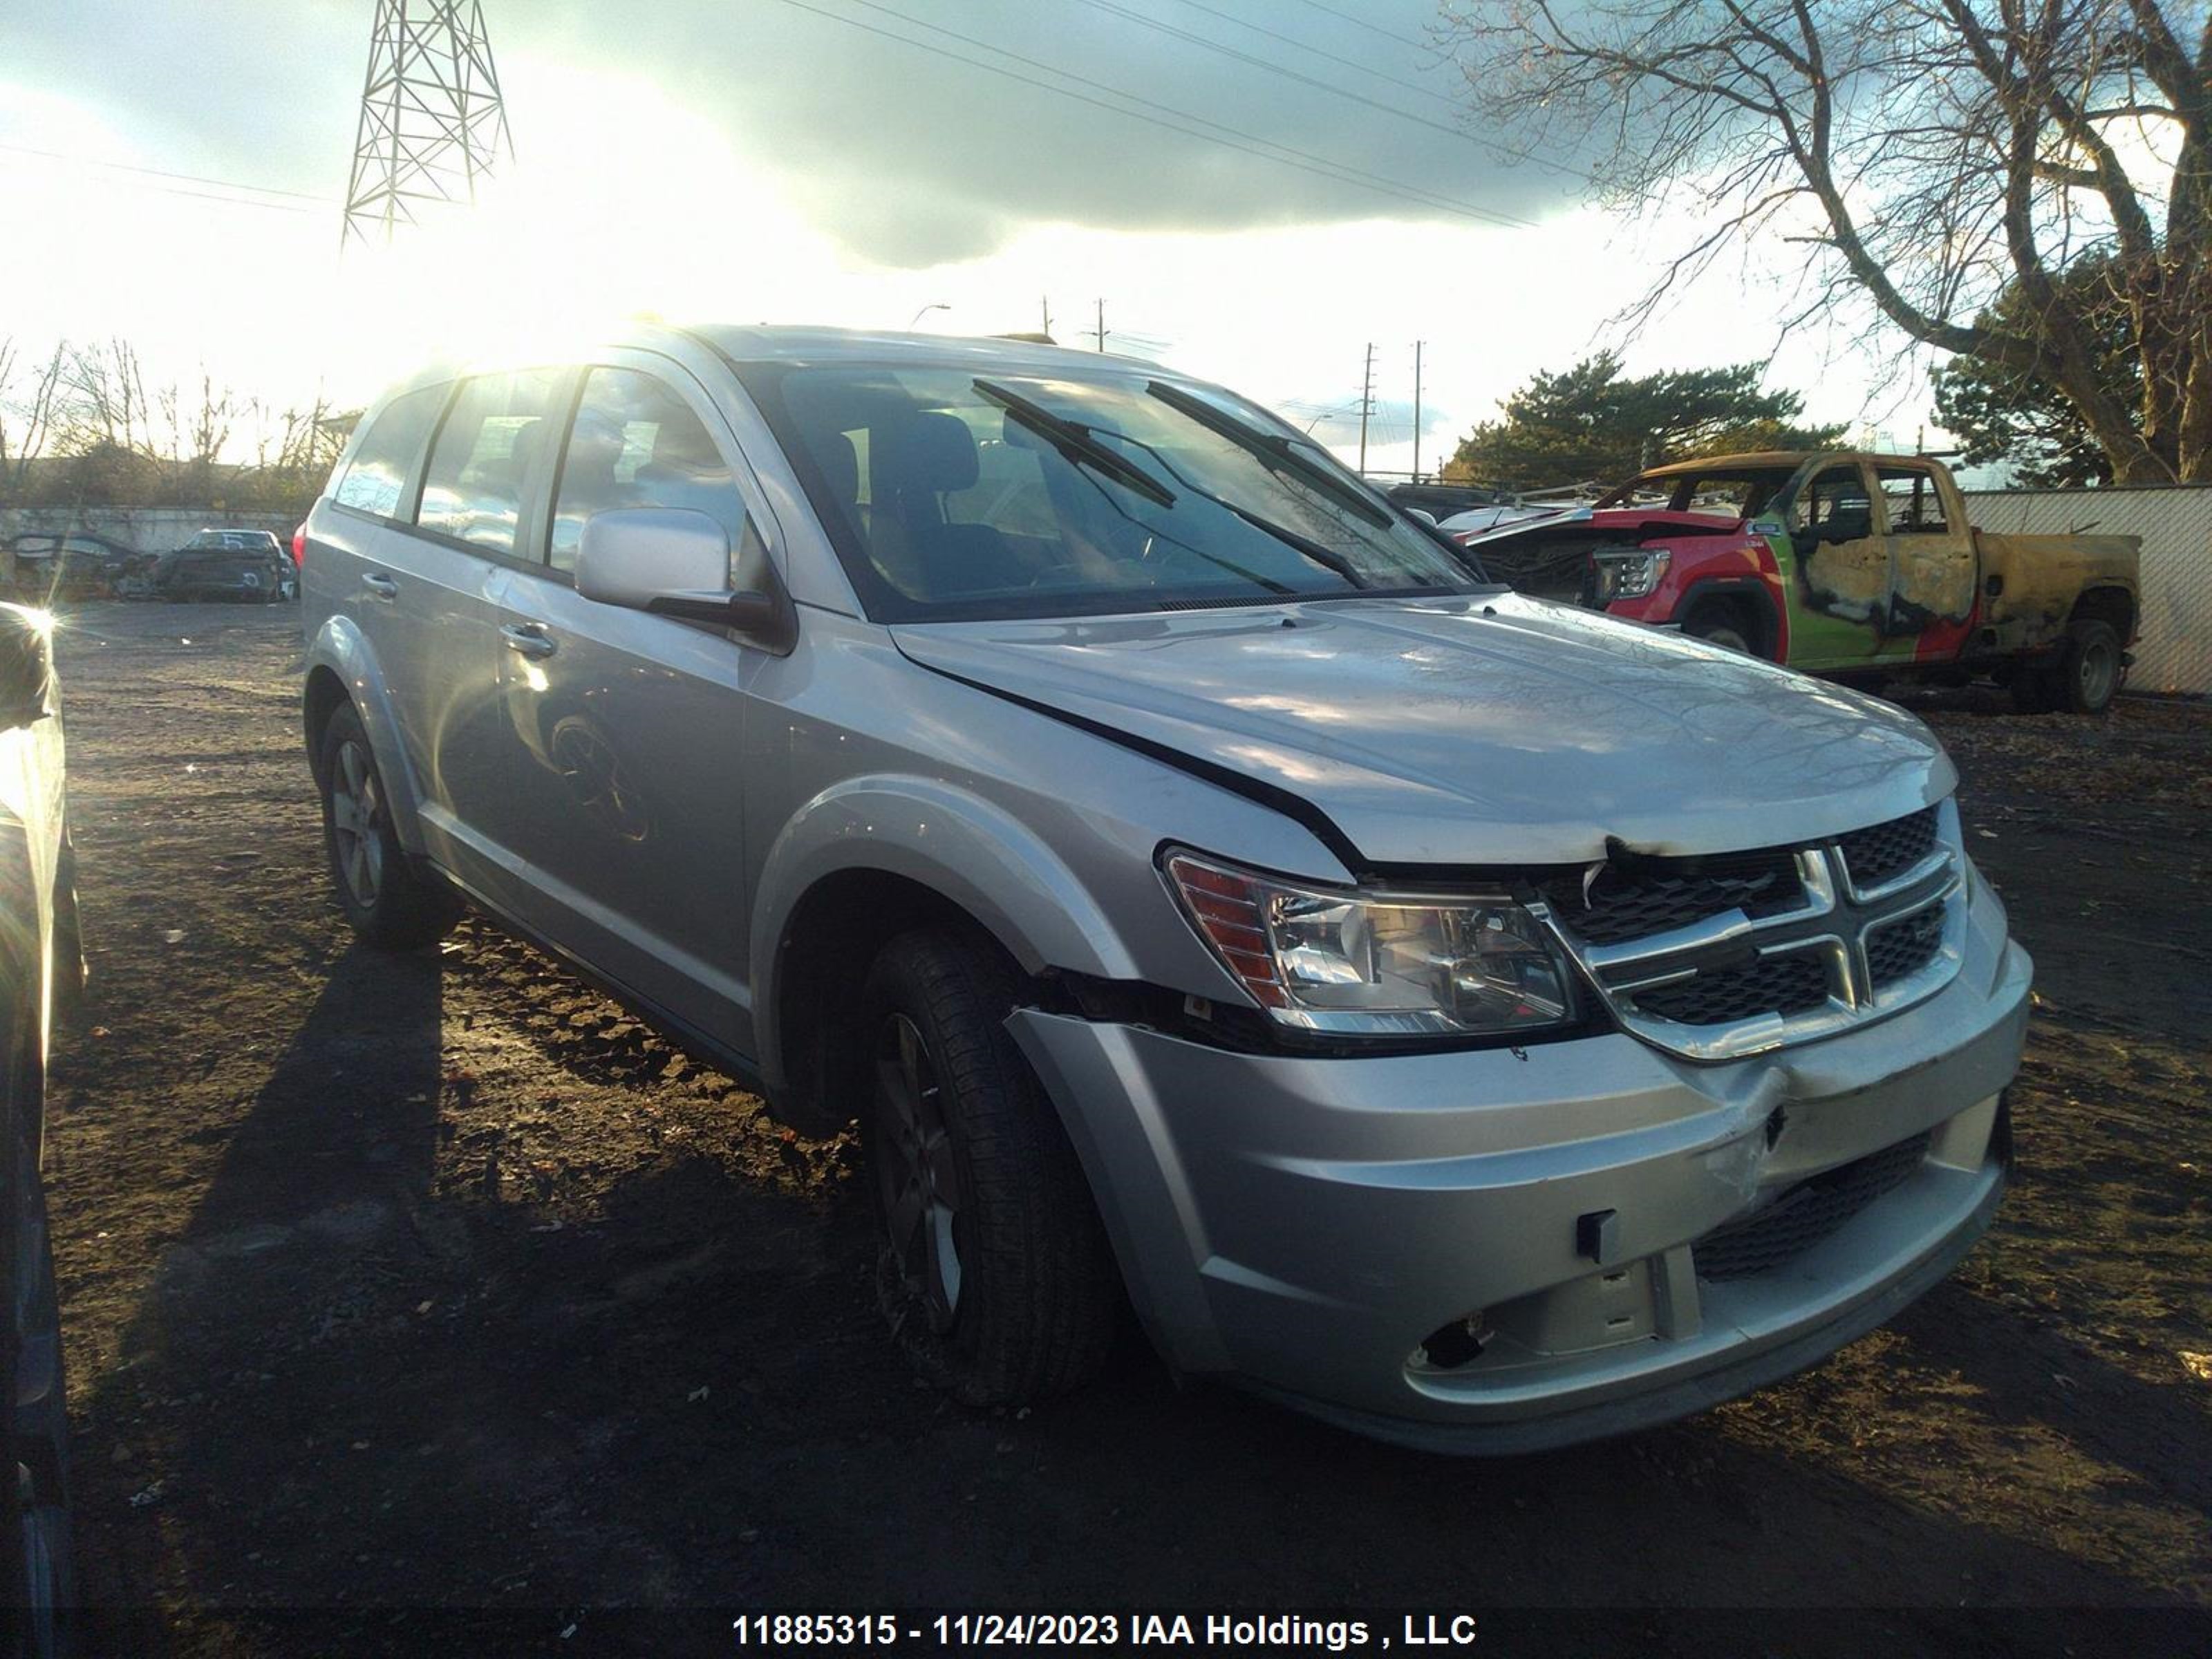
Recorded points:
(1732,494)
(950,495)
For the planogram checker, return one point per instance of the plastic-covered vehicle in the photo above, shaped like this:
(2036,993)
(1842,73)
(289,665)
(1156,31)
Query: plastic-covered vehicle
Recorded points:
(1476,1020)
(1847,564)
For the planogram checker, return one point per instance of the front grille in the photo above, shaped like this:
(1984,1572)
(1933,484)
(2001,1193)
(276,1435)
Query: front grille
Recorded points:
(1662,895)
(1898,948)
(1804,1215)
(1700,955)
(1873,856)
(1785,984)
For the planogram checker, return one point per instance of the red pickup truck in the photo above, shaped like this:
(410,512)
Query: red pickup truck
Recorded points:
(1856,566)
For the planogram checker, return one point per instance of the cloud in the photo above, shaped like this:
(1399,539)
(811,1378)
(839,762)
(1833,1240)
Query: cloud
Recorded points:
(907,151)
(1216,143)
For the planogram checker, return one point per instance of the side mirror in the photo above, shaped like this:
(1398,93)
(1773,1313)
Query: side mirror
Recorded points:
(673,561)
(1422,515)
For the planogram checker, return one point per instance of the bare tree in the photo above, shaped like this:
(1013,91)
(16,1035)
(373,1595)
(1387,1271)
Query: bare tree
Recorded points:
(104,388)
(26,419)
(1932,154)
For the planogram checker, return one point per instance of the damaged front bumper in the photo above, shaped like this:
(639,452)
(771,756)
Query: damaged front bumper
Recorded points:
(1499,1250)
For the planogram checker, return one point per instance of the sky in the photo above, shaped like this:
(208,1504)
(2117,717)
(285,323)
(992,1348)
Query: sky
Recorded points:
(1257,190)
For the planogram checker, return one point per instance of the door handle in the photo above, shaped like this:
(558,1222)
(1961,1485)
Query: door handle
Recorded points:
(527,640)
(378,587)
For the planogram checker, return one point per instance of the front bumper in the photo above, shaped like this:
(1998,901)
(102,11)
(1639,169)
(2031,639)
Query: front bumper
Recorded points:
(1303,1224)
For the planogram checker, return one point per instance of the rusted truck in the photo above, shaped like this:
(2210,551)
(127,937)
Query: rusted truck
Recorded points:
(1856,566)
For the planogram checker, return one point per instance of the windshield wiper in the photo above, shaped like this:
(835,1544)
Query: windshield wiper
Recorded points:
(1327,557)
(1074,441)
(1272,448)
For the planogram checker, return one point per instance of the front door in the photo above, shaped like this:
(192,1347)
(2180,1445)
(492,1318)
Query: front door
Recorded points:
(625,732)
(1931,563)
(1839,592)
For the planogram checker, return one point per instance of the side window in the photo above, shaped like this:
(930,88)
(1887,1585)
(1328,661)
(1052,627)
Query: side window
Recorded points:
(387,452)
(473,487)
(1914,504)
(636,443)
(1836,504)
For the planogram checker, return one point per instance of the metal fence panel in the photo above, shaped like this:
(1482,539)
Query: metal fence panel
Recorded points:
(2175,525)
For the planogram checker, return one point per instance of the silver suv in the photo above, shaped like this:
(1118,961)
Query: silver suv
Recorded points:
(1472,1019)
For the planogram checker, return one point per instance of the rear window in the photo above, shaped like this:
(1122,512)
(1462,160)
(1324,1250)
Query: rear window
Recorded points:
(386,455)
(1914,504)
(472,489)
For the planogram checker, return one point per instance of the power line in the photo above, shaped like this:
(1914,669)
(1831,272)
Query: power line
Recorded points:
(185,177)
(1371,27)
(1336,172)
(1289,74)
(1321,52)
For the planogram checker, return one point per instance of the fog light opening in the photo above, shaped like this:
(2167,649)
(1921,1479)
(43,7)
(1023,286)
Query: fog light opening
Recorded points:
(1450,1347)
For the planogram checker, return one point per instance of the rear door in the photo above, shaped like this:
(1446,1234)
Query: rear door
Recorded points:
(487,466)
(359,545)
(1839,592)
(625,732)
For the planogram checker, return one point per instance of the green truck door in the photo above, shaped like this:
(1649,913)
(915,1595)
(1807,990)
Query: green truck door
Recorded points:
(1839,592)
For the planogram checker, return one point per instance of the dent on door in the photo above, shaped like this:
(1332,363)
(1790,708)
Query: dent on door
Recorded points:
(558,733)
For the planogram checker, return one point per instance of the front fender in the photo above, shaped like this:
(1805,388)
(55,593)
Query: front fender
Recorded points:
(946,839)
(340,646)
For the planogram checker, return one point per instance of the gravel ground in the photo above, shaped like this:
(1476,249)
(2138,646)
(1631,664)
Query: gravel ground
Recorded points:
(395,1285)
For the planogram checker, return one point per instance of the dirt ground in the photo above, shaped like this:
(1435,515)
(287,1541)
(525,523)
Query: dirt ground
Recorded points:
(394,1285)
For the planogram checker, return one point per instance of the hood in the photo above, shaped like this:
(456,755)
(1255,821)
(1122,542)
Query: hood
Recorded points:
(1487,730)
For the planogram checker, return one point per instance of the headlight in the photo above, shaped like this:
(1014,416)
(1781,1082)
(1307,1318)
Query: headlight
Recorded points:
(1629,575)
(1376,964)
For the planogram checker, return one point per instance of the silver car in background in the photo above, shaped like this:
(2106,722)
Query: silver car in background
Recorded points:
(1478,1021)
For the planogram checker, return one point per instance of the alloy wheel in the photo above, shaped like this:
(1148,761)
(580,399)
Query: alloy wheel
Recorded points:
(917,1175)
(356,824)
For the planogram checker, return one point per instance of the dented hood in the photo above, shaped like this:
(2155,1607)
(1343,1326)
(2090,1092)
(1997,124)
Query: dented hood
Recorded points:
(1487,730)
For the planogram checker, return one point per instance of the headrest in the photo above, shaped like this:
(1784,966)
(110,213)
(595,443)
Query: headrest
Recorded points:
(840,467)
(684,445)
(933,451)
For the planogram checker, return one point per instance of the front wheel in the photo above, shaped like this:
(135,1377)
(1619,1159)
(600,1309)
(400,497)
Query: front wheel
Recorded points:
(390,901)
(1720,626)
(996,1273)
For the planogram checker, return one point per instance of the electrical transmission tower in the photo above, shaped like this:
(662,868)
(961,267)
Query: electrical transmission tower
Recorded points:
(431,120)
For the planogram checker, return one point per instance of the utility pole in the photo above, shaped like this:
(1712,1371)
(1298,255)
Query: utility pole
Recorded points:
(1102,326)
(1417,411)
(1044,310)
(1366,403)
(431,118)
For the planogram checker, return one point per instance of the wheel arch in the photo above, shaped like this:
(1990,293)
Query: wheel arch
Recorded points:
(1745,598)
(342,669)
(2109,603)
(875,858)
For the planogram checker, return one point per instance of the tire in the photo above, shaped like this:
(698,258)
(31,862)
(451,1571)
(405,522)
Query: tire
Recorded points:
(38,1557)
(2089,670)
(391,902)
(993,1269)
(1720,627)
